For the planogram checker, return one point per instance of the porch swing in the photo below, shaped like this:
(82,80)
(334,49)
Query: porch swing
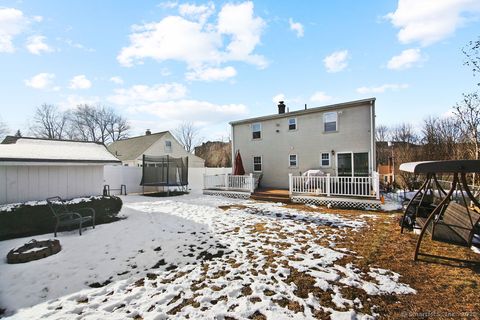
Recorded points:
(447,220)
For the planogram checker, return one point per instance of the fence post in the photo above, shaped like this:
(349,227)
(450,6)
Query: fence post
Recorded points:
(328,184)
(226,181)
(252,183)
(204,181)
(290,184)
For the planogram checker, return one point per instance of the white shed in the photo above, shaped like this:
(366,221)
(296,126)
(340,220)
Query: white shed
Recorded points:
(35,169)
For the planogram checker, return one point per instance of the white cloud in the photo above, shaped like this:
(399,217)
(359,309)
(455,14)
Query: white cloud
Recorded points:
(337,61)
(233,37)
(198,13)
(74,100)
(116,80)
(406,59)
(76,45)
(168,4)
(297,27)
(279,97)
(12,23)
(36,45)
(382,88)
(428,22)
(320,96)
(168,102)
(42,81)
(80,82)
(212,74)
(143,94)
(191,110)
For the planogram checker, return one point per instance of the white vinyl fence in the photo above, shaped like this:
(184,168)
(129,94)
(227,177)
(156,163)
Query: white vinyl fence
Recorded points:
(336,186)
(21,183)
(115,176)
(230,182)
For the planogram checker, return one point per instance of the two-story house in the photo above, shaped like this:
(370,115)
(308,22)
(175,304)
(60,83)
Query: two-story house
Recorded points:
(338,139)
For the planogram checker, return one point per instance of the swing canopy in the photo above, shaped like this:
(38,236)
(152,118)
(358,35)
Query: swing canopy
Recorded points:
(447,166)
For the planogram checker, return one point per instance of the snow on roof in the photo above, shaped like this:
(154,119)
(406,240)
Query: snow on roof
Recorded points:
(39,150)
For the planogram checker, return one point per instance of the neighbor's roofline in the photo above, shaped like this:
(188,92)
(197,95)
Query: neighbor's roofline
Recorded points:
(141,136)
(13,138)
(57,160)
(307,111)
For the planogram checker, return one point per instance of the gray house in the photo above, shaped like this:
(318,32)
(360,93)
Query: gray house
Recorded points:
(337,139)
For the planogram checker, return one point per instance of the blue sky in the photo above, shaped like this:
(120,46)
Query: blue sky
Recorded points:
(161,63)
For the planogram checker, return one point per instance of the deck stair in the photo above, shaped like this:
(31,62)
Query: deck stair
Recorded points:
(271,195)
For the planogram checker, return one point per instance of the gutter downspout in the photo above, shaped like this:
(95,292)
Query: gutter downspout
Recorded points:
(372,135)
(233,148)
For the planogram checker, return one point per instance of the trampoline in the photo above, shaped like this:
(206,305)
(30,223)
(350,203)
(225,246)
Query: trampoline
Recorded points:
(164,171)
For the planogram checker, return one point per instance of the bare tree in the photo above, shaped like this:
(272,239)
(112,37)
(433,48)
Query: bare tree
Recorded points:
(467,112)
(99,124)
(405,149)
(382,133)
(187,134)
(3,128)
(49,122)
(472,54)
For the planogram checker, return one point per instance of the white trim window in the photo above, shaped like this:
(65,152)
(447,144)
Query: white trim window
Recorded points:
(292,160)
(325,159)
(168,146)
(292,124)
(330,120)
(257,164)
(256,131)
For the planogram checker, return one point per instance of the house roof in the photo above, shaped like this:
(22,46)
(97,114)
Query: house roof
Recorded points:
(57,151)
(132,148)
(306,111)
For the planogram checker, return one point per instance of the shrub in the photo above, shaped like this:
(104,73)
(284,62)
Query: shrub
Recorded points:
(33,218)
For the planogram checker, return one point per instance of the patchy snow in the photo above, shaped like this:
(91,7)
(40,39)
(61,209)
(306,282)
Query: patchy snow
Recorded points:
(185,257)
(12,206)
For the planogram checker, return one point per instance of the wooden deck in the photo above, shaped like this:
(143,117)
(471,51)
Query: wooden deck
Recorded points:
(272,195)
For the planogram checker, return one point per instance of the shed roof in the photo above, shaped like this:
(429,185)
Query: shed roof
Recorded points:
(132,148)
(57,151)
(444,166)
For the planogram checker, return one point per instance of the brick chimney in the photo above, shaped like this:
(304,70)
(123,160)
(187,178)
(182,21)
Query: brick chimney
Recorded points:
(148,132)
(281,107)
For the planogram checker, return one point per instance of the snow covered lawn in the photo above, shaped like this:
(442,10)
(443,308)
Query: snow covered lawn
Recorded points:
(201,257)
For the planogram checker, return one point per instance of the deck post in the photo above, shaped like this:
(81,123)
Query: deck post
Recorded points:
(376,184)
(290,184)
(252,183)
(226,181)
(328,184)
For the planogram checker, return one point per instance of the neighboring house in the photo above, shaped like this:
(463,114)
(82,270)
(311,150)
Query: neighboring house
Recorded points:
(130,151)
(387,176)
(337,139)
(35,169)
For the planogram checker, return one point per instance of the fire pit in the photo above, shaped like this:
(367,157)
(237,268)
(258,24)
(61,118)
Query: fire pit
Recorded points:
(34,250)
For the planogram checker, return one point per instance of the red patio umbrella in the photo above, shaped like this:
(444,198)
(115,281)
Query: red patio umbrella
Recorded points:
(238,168)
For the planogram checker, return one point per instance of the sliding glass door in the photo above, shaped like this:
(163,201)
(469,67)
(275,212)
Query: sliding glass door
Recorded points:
(350,163)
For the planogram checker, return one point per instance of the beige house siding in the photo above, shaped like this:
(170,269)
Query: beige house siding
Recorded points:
(308,141)
(177,150)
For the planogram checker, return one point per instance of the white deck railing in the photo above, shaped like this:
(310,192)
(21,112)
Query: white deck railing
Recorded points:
(336,186)
(230,182)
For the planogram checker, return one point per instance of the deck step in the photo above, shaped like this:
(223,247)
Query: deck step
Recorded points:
(270,198)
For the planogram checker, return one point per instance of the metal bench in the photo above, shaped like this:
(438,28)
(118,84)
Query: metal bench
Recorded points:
(65,217)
